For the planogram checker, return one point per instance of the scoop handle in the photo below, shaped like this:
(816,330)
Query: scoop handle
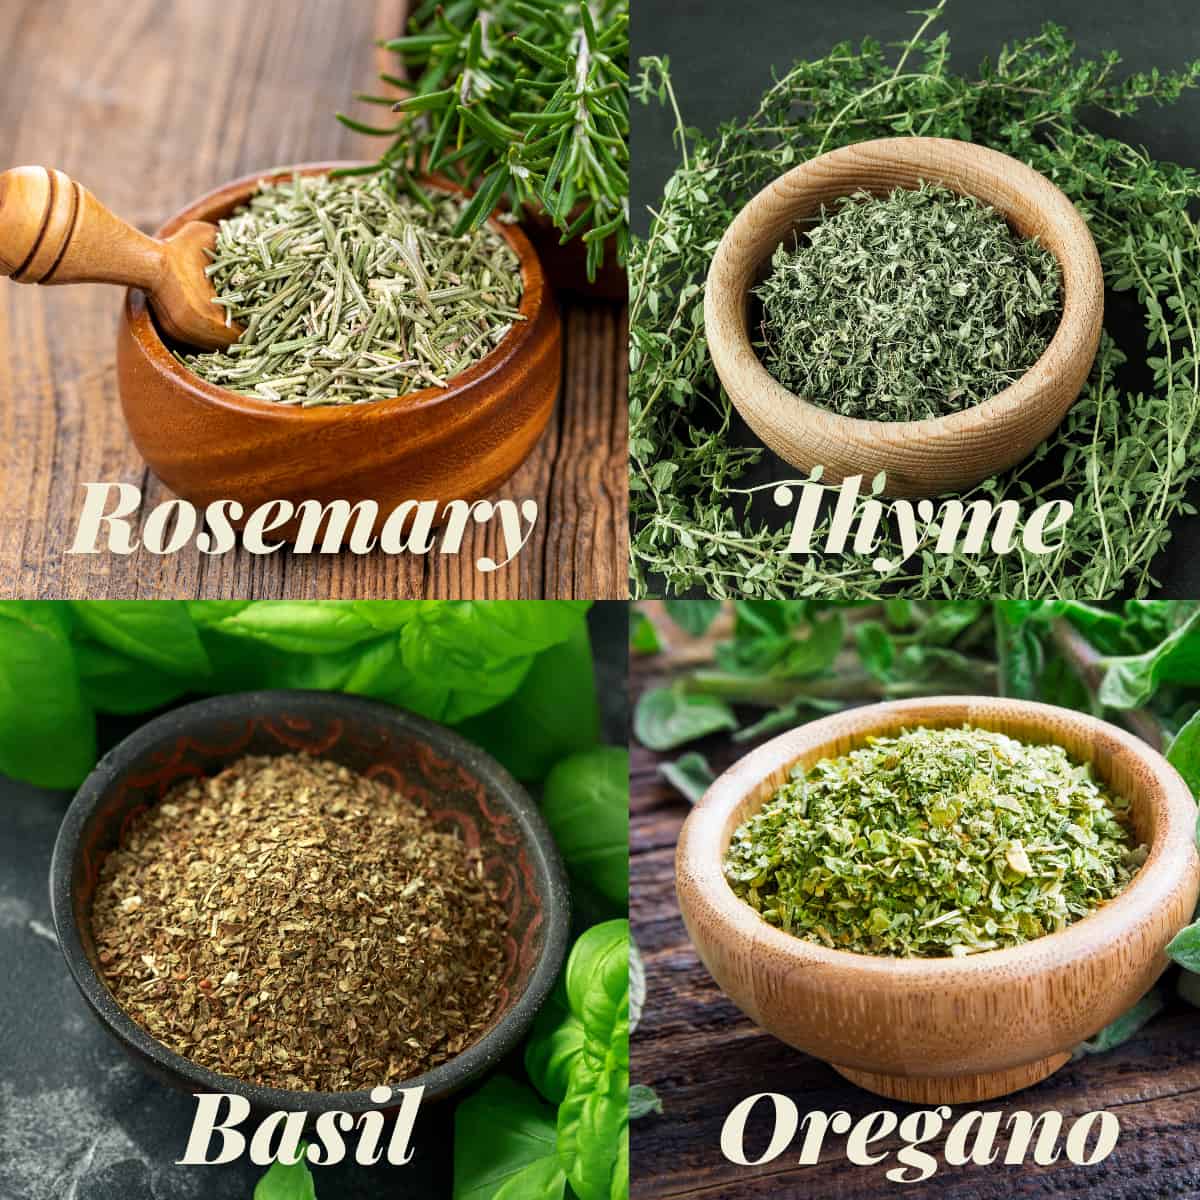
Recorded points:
(53,230)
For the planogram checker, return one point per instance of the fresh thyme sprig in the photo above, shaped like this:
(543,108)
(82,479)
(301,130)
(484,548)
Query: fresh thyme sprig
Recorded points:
(519,99)
(1121,455)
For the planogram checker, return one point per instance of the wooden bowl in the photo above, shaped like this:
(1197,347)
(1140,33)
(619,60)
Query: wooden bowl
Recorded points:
(463,789)
(461,442)
(945,1030)
(921,458)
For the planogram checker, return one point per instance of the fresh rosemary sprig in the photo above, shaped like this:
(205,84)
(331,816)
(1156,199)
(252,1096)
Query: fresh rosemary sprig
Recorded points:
(350,292)
(1122,455)
(524,100)
(913,305)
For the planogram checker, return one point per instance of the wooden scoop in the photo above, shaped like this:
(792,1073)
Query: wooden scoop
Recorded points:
(53,230)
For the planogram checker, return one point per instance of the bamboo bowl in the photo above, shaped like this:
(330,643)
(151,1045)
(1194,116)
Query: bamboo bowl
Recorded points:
(207,443)
(945,1030)
(921,458)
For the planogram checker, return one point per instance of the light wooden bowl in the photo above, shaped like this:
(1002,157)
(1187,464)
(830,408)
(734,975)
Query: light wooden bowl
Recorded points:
(945,1030)
(921,458)
(461,442)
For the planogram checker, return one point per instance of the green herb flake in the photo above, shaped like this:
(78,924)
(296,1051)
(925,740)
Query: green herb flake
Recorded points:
(935,842)
(911,306)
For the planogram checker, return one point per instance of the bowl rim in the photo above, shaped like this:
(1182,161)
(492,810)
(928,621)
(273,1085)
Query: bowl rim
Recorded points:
(440,1081)
(535,297)
(1069,335)
(702,843)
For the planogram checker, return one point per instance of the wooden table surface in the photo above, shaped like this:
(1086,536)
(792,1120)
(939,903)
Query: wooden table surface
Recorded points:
(149,103)
(702,1056)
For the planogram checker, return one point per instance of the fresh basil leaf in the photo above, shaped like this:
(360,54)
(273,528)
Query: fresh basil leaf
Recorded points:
(1184,947)
(299,626)
(593,1133)
(586,805)
(158,632)
(637,985)
(505,1145)
(643,1101)
(689,774)
(555,1042)
(287,1183)
(115,683)
(667,717)
(692,616)
(1184,753)
(208,612)
(554,712)
(47,729)
(593,1119)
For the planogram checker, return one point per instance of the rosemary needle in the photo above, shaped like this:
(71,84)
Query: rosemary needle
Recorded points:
(349,292)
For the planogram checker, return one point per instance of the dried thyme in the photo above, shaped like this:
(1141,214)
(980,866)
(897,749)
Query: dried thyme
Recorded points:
(350,292)
(911,306)
(297,925)
(934,843)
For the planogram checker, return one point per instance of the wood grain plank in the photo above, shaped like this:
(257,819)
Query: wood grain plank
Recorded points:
(703,1056)
(150,103)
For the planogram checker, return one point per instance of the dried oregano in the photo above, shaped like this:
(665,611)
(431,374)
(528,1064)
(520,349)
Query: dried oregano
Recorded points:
(934,842)
(913,305)
(349,291)
(292,923)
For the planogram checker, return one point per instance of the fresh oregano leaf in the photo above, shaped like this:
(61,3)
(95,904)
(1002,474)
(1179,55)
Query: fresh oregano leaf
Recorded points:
(643,1101)
(689,774)
(666,717)
(1125,1026)
(1184,947)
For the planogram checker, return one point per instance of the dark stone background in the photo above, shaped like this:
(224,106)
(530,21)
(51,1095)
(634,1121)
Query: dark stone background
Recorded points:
(722,56)
(78,1121)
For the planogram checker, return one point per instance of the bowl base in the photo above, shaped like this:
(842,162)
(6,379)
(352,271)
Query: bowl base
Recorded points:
(954,1089)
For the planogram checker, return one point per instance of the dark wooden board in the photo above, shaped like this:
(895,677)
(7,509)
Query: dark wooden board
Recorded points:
(150,103)
(702,1056)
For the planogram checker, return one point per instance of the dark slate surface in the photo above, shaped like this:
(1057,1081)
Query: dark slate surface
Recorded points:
(78,1121)
(724,56)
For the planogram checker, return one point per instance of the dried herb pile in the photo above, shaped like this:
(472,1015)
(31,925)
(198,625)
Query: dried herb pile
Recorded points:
(349,291)
(934,843)
(294,924)
(911,306)
(1123,453)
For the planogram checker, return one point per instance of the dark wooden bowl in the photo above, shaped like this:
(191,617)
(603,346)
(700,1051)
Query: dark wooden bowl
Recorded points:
(207,443)
(463,788)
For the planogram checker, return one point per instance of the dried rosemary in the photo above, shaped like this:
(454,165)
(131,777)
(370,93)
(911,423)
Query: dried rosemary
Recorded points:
(932,843)
(350,292)
(911,306)
(295,924)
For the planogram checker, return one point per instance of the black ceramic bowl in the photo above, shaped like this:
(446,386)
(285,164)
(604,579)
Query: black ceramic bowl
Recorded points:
(462,787)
